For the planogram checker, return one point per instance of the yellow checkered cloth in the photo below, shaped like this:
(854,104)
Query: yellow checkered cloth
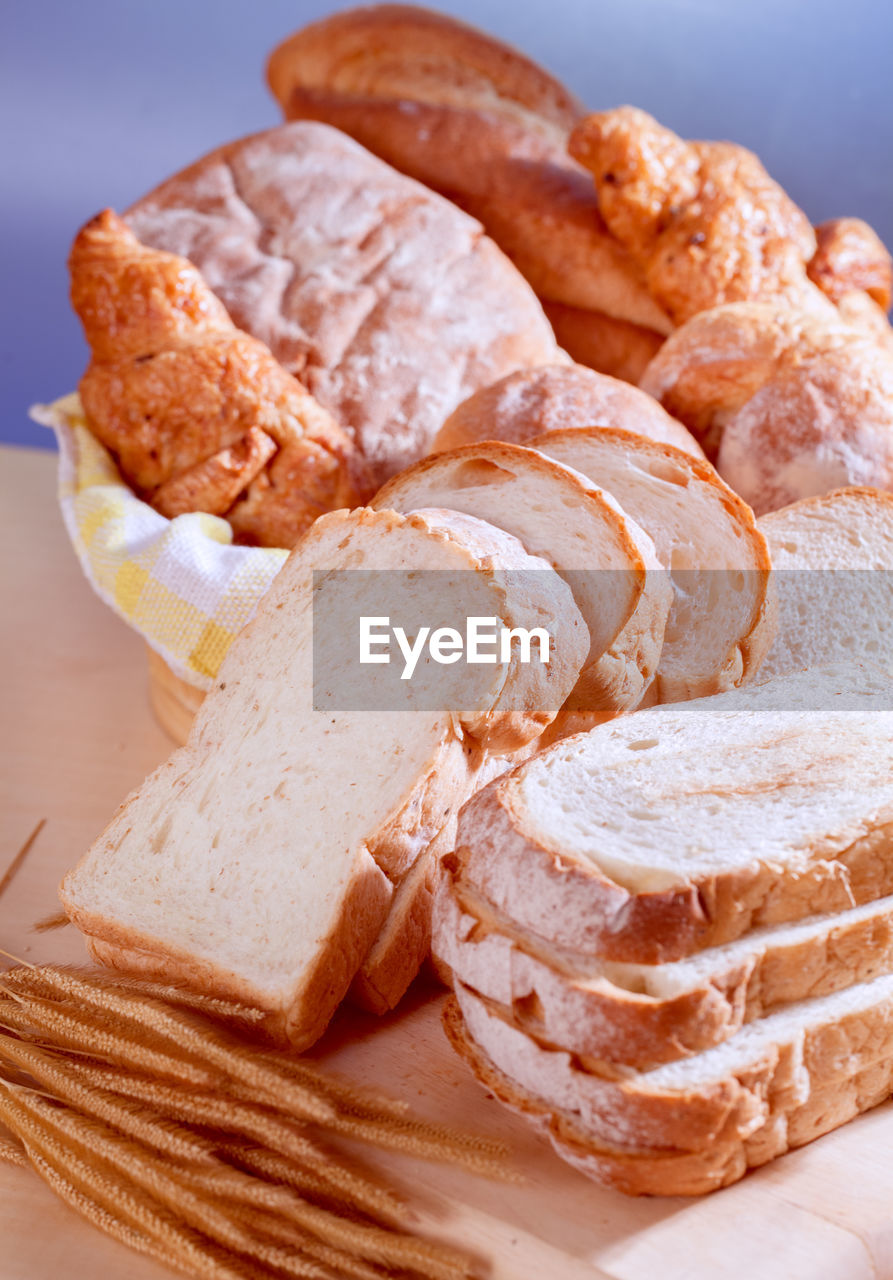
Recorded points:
(180,583)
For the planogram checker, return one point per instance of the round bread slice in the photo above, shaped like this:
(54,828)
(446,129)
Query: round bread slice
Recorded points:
(722,620)
(753,1080)
(256,863)
(604,556)
(832,561)
(643,1015)
(525,404)
(381,297)
(667,1171)
(683,827)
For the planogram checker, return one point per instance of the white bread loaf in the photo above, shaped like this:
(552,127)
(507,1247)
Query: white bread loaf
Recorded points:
(833,557)
(682,827)
(635,1015)
(607,560)
(256,863)
(721,621)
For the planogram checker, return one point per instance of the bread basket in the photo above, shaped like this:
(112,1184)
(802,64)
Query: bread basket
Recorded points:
(180,583)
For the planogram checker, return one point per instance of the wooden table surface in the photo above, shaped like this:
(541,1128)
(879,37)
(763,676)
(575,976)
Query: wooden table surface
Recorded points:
(78,734)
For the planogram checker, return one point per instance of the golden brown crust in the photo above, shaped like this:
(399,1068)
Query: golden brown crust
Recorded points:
(199,415)
(560,998)
(670,1172)
(387,302)
(471,118)
(406,51)
(791,404)
(531,402)
(576,906)
(850,257)
(704,220)
(602,342)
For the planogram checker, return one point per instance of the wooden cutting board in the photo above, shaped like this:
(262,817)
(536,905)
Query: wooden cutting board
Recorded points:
(78,734)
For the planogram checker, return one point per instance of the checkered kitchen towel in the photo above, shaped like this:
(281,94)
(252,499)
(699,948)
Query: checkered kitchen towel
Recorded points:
(180,583)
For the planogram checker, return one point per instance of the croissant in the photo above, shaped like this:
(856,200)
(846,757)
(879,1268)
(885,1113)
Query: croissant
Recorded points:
(198,414)
(790,404)
(483,125)
(707,225)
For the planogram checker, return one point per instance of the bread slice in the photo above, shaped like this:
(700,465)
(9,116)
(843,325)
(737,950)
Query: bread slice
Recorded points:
(782,1118)
(628,1015)
(722,620)
(607,560)
(683,827)
(404,943)
(557,397)
(768,1067)
(832,558)
(256,862)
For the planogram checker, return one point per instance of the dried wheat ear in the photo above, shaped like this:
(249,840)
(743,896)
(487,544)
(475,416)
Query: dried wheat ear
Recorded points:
(152,1113)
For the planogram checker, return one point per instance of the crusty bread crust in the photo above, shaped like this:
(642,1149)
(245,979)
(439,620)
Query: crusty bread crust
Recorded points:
(601,342)
(562,998)
(578,907)
(473,119)
(617,674)
(669,1172)
(383,299)
(562,397)
(305,1011)
(781,1100)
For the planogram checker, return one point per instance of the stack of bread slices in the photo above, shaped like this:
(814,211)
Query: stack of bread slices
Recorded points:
(671,939)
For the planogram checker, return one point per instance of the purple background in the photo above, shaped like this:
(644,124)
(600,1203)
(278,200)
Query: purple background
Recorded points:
(101,99)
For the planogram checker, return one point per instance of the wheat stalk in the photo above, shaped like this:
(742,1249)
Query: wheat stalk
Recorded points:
(144,1107)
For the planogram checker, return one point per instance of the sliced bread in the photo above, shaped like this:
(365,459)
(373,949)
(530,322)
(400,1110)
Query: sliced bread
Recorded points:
(682,827)
(245,866)
(604,556)
(774,1105)
(833,563)
(630,1015)
(721,622)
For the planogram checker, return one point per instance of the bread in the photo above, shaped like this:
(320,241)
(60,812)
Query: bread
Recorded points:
(790,404)
(619,1016)
(802,1074)
(607,560)
(659,862)
(555,398)
(832,558)
(722,618)
(198,878)
(475,120)
(665,1051)
(199,415)
(386,302)
(404,942)
(706,224)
